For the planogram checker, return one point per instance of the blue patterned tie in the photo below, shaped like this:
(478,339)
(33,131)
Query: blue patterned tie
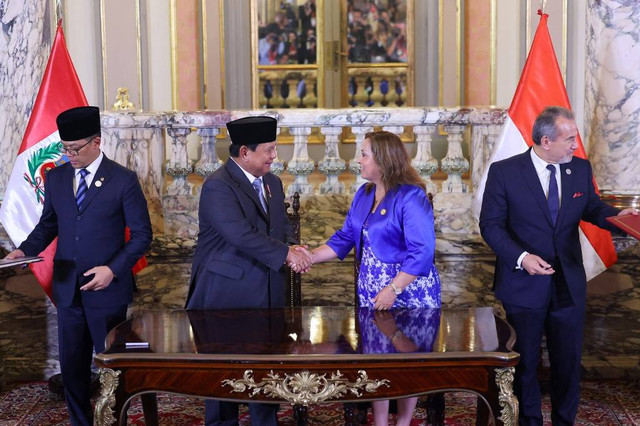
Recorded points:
(257,185)
(82,188)
(553,200)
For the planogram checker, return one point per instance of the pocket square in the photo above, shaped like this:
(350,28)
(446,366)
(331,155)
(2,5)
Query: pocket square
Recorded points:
(578,194)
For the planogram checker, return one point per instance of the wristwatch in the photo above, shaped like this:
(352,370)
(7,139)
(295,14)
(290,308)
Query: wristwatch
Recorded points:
(397,290)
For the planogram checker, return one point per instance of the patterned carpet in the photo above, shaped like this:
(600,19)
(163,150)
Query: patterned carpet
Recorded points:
(603,403)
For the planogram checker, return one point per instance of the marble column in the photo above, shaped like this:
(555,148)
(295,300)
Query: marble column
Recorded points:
(300,165)
(612,104)
(25,43)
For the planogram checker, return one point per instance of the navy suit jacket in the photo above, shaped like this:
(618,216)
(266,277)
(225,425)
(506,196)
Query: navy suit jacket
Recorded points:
(515,217)
(241,249)
(93,236)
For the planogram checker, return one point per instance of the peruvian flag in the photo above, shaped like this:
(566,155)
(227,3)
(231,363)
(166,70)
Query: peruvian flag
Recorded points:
(540,86)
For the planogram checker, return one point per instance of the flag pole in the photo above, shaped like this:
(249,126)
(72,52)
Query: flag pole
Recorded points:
(59,12)
(543,5)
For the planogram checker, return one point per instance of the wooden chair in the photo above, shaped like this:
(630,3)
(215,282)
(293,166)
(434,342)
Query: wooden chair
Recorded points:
(434,403)
(293,285)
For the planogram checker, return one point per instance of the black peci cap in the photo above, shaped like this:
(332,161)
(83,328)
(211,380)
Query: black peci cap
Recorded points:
(252,130)
(78,123)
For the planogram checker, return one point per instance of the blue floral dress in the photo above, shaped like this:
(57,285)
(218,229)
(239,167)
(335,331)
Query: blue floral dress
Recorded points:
(374,275)
(419,325)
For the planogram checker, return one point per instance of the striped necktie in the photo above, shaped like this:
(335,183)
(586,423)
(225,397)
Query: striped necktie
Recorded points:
(82,188)
(257,185)
(553,200)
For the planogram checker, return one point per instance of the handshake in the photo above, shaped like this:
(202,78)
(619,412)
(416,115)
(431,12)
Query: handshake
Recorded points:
(299,259)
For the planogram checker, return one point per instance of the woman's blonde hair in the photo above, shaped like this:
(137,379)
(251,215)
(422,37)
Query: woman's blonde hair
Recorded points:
(393,160)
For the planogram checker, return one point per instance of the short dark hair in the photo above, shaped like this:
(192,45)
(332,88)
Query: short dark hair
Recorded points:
(234,149)
(545,124)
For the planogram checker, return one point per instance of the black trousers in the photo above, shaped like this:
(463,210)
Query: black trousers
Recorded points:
(562,322)
(222,413)
(80,330)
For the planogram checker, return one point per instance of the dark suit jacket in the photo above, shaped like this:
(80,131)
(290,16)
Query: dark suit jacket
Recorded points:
(241,249)
(515,217)
(93,236)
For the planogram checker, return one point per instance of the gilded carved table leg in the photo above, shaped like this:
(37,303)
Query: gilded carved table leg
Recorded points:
(507,399)
(103,414)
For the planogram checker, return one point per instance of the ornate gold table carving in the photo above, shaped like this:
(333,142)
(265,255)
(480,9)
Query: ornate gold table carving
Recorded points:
(107,400)
(304,388)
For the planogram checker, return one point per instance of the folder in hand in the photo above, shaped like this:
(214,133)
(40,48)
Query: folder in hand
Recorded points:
(629,224)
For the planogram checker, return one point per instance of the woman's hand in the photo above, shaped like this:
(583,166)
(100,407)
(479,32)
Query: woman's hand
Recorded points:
(385,322)
(384,299)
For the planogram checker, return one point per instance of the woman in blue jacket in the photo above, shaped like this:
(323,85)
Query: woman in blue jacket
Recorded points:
(390,223)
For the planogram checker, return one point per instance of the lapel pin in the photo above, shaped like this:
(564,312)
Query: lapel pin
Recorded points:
(383,212)
(98,183)
(568,171)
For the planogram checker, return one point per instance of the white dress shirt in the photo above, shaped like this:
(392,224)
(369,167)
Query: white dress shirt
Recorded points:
(545,177)
(92,169)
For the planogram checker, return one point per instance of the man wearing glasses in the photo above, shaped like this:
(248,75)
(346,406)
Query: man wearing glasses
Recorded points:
(89,202)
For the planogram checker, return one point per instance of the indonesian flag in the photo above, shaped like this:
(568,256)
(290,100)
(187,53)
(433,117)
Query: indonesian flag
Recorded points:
(41,150)
(540,86)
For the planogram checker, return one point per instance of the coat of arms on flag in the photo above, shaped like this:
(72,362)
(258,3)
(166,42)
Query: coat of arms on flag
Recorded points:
(39,163)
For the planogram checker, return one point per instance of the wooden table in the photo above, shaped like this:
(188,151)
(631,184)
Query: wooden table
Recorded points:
(309,355)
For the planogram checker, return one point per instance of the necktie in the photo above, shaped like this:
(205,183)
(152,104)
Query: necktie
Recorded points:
(82,188)
(257,185)
(553,200)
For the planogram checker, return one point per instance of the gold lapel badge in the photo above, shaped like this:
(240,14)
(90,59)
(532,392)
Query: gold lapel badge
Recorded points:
(383,212)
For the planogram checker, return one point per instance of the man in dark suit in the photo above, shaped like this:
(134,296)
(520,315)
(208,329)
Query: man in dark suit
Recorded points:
(243,242)
(531,210)
(88,203)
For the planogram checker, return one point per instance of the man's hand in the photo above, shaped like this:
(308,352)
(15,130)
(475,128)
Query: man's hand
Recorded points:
(15,254)
(535,265)
(101,280)
(628,211)
(299,259)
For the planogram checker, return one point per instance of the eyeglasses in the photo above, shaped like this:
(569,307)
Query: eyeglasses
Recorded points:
(74,152)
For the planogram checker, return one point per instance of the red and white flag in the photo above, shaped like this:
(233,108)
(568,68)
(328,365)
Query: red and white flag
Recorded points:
(40,151)
(541,85)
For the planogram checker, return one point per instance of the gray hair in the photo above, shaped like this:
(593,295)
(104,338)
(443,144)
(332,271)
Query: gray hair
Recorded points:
(545,124)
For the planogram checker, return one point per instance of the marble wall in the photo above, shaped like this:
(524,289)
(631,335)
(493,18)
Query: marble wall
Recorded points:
(25,42)
(612,94)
